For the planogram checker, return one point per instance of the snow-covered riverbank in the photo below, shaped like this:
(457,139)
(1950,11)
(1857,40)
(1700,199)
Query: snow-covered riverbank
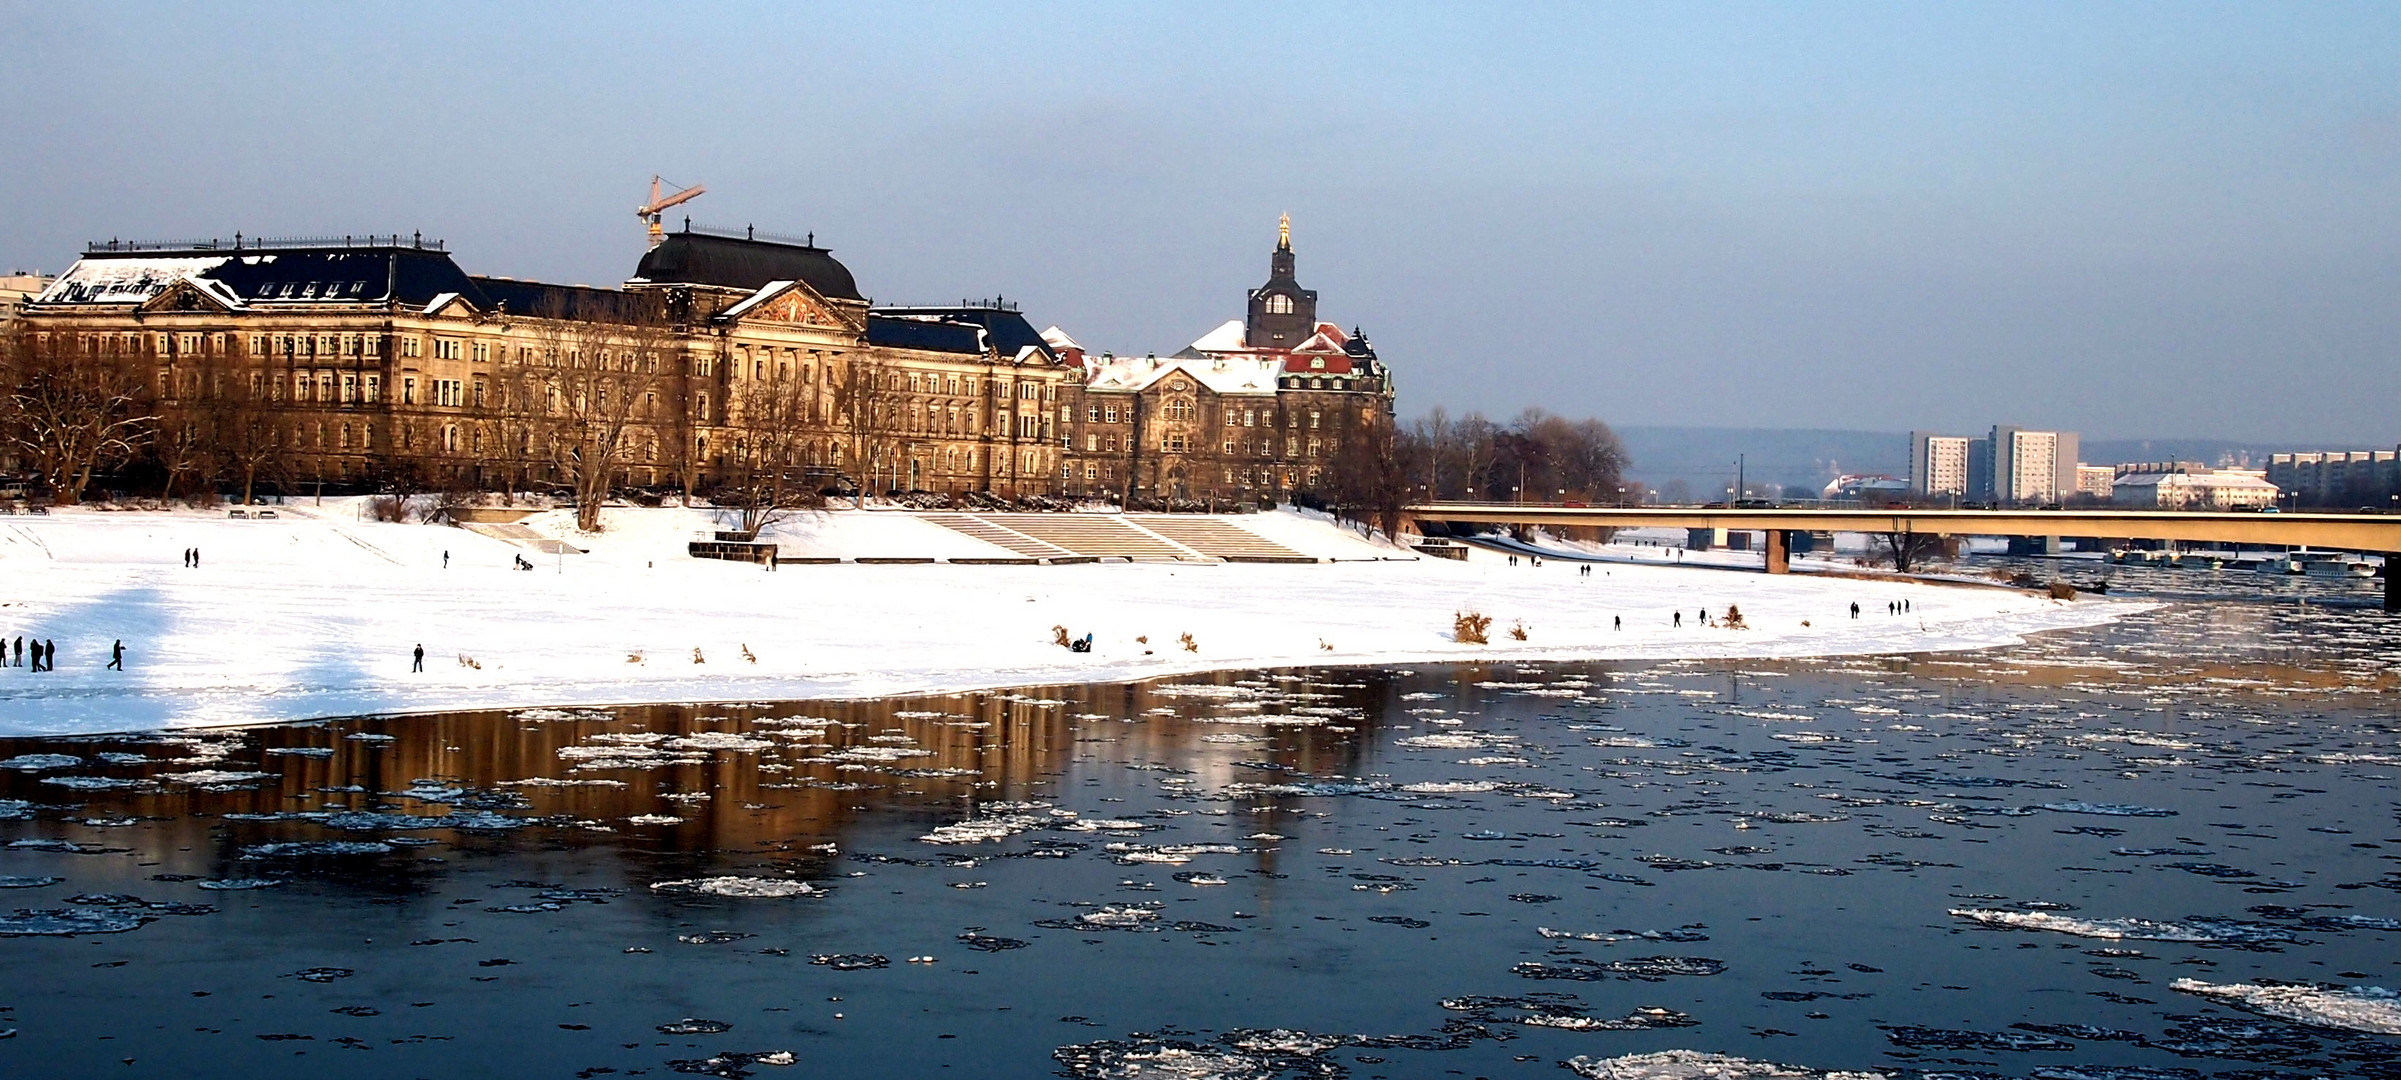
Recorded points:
(316,613)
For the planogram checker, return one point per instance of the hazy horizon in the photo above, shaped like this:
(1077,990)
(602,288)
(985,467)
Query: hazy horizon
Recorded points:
(2133,221)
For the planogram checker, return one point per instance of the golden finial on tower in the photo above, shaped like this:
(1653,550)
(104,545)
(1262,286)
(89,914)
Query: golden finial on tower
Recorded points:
(1284,232)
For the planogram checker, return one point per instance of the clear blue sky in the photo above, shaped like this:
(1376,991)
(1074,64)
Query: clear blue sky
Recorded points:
(2129,219)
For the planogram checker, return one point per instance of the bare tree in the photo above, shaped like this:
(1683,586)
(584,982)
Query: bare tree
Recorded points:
(866,409)
(588,387)
(243,424)
(1370,480)
(775,411)
(1906,549)
(71,416)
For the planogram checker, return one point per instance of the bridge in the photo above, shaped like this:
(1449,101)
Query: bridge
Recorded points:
(2340,532)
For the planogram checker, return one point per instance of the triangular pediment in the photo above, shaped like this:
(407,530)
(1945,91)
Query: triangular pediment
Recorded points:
(187,295)
(451,305)
(791,303)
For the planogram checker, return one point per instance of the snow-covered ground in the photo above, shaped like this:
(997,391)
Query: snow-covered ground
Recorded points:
(315,614)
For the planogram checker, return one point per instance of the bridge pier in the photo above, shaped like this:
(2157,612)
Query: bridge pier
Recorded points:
(2392,581)
(1779,554)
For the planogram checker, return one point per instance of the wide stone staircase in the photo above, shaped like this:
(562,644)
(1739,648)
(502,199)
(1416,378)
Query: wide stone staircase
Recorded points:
(1136,537)
(521,536)
(1217,539)
(982,528)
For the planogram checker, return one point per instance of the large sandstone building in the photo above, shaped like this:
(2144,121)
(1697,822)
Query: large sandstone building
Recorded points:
(725,359)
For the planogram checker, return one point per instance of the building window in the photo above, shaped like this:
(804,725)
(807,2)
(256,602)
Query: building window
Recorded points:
(373,387)
(1112,414)
(408,391)
(1229,446)
(1092,413)
(409,347)
(349,388)
(1313,419)
(1279,304)
(1111,442)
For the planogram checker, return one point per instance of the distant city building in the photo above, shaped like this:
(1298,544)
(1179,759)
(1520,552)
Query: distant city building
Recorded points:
(2032,466)
(1873,488)
(2349,478)
(1938,464)
(2190,485)
(2095,481)
(2010,466)
(17,289)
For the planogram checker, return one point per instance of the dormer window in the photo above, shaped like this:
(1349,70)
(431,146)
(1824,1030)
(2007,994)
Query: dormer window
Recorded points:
(1279,304)
(1317,363)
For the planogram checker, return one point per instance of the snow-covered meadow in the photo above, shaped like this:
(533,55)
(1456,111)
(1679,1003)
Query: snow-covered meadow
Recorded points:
(316,613)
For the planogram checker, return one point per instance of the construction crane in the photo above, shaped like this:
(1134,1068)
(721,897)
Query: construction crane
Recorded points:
(649,211)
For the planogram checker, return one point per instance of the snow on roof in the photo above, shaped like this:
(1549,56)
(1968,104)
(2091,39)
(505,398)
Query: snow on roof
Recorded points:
(755,299)
(124,281)
(439,301)
(1058,340)
(1228,337)
(1221,374)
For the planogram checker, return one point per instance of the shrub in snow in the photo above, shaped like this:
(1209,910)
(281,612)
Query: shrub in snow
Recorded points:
(1471,628)
(1058,636)
(1517,631)
(1734,618)
(1187,642)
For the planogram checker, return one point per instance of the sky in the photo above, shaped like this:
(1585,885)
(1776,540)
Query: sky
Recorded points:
(2133,220)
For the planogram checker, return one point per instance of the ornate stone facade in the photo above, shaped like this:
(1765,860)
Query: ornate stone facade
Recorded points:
(1256,409)
(366,362)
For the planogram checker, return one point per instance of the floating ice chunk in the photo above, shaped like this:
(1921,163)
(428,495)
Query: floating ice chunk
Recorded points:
(654,819)
(368,737)
(984,830)
(65,922)
(15,809)
(28,882)
(238,884)
(2199,930)
(300,751)
(695,1026)
(735,886)
(2106,809)
(1443,741)
(39,762)
(299,849)
(215,777)
(717,740)
(2372,1009)
(115,758)
(1451,787)
(1694,1065)
(851,961)
(94,783)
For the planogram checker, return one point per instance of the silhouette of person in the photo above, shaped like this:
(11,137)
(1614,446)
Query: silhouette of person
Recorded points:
(116,656)
(417,659)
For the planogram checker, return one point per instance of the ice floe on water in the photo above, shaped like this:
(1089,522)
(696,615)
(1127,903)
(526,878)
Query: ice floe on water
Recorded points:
(1696,1065)
(2372,1009)
(738,886)
(40,762)
(2105,809)
(29,882)
(67,922)
(2198,929)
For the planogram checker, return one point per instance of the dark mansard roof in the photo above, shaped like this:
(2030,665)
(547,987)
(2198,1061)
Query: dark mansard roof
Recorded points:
(692,258)
(955,329)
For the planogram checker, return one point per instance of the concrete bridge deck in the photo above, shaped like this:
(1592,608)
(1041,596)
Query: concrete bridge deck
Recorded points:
(2342,532)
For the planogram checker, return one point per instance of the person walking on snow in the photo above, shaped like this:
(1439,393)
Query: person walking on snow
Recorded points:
(49,657)
(445,560)
(1854,609)
(116,656)
(417,659)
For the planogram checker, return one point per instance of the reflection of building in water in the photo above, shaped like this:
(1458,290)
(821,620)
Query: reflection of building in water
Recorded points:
(775,778)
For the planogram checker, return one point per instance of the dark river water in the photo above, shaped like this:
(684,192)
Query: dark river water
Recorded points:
(2163,848)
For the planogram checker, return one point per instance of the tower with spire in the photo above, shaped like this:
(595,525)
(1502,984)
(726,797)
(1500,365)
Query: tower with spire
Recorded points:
(1282,314)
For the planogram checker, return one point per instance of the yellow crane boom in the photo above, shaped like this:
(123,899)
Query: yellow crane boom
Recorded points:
(649,211)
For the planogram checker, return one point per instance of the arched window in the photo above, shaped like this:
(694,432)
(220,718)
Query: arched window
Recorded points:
(1279,304)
